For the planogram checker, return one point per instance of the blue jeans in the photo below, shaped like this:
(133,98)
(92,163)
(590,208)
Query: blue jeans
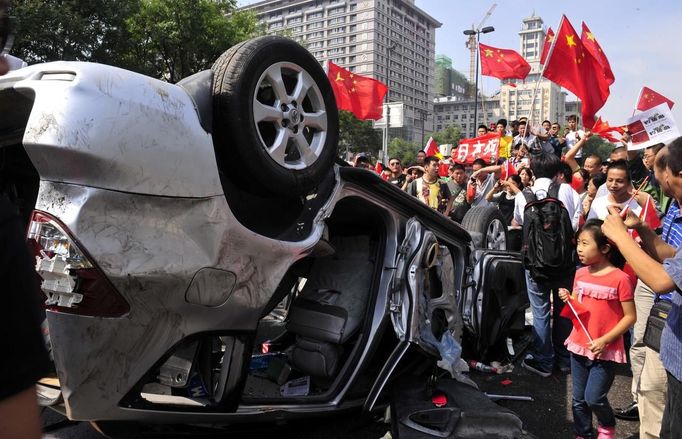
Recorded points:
(548,341)
(591,383)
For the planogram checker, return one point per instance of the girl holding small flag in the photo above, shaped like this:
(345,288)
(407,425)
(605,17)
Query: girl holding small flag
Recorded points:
(602,310)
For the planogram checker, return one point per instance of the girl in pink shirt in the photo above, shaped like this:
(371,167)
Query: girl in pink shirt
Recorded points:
(603,299)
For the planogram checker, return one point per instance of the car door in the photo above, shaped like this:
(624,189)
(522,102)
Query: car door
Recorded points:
(422,305)
(494,299)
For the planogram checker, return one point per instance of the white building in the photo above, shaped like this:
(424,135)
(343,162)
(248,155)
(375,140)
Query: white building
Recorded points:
(513,103)
(390,40)
(454,110)
(550,101)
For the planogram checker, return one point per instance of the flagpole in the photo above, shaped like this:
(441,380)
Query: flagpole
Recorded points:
(639,97)
(542,73)
(384,140)
(482,107)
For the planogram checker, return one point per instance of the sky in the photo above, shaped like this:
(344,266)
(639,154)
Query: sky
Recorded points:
(642,40)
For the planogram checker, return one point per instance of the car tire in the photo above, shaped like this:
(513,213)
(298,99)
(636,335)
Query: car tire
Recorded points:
(275,124)
(487,227)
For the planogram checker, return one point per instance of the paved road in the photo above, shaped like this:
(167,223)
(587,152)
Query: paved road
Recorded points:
(338,427)
(547,416)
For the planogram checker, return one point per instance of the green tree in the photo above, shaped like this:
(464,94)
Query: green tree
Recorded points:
(172,39)
(357,135)
(597,145)
(166,39)
(404,150)
(450,134)
(73,30)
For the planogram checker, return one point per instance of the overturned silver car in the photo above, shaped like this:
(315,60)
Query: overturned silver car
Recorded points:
(205,261)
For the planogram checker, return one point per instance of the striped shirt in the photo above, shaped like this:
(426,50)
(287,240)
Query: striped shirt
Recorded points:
(671,339)
(672,225)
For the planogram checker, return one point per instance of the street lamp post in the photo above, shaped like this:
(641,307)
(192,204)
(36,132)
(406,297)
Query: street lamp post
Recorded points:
(478,33)
(384,147)
(424,116)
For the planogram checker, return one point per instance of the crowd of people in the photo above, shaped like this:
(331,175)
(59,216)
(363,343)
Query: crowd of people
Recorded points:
(446,186)
(626,225)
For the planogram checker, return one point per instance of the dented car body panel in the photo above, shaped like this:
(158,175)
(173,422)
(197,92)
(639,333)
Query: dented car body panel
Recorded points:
(89,119)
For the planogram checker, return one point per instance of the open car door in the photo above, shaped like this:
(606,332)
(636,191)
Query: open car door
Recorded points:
(423,308)
(494,300)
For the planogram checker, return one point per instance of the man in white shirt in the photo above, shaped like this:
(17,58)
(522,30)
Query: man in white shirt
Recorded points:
(549,349)
(573,135)
(524,137)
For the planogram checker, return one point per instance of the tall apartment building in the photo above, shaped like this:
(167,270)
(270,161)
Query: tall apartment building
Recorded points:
(390,40)
(448,81)
(550,100)
(513,101)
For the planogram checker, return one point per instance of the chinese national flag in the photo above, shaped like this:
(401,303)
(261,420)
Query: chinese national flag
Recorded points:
(502,63)
(545,47)
(591,44)
(432,149)
(603,129)
(579,317)
(573,67)
(648,99)
(360,95)
(507,170)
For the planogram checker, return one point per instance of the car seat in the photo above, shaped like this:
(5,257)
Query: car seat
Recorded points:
(331,306)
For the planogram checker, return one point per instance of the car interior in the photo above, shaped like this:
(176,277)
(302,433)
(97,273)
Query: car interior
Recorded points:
(314,330)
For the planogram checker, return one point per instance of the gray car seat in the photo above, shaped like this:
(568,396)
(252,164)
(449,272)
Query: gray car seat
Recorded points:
(331,306)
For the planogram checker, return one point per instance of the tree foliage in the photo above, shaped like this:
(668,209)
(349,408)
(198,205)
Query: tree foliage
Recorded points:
(404,150)
(74,30)
(597,145)
(165,39)
(176,38)
(450,134)
(357,135)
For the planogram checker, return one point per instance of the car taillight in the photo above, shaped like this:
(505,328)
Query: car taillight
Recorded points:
(70,279)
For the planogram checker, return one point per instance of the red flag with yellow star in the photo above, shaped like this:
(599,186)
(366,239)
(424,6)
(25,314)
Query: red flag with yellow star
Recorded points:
(649,99)
(546,45)
(591,44)
(432,149)
(573,67)
(502,63)
(361,95)
(603,129)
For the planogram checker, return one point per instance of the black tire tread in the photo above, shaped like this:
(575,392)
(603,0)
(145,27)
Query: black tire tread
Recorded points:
(476,220)
(228,83)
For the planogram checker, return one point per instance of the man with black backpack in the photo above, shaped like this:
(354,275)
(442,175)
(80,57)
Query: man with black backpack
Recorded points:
(549,213)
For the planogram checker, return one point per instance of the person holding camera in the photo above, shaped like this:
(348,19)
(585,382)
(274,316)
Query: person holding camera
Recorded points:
(504,194)
(480,183)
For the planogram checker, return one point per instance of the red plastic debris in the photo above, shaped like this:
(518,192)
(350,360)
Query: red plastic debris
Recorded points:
(439,400)
(506,382)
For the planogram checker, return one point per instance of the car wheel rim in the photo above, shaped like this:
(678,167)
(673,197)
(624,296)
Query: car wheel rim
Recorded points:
(496,239)
(290,115)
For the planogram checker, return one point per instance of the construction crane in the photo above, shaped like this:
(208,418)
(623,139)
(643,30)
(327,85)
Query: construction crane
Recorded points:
(473,48)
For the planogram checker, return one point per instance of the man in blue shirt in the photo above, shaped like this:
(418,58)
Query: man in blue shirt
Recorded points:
(659,265)
(649,381)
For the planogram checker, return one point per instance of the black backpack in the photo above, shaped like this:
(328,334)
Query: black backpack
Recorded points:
(548,247)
